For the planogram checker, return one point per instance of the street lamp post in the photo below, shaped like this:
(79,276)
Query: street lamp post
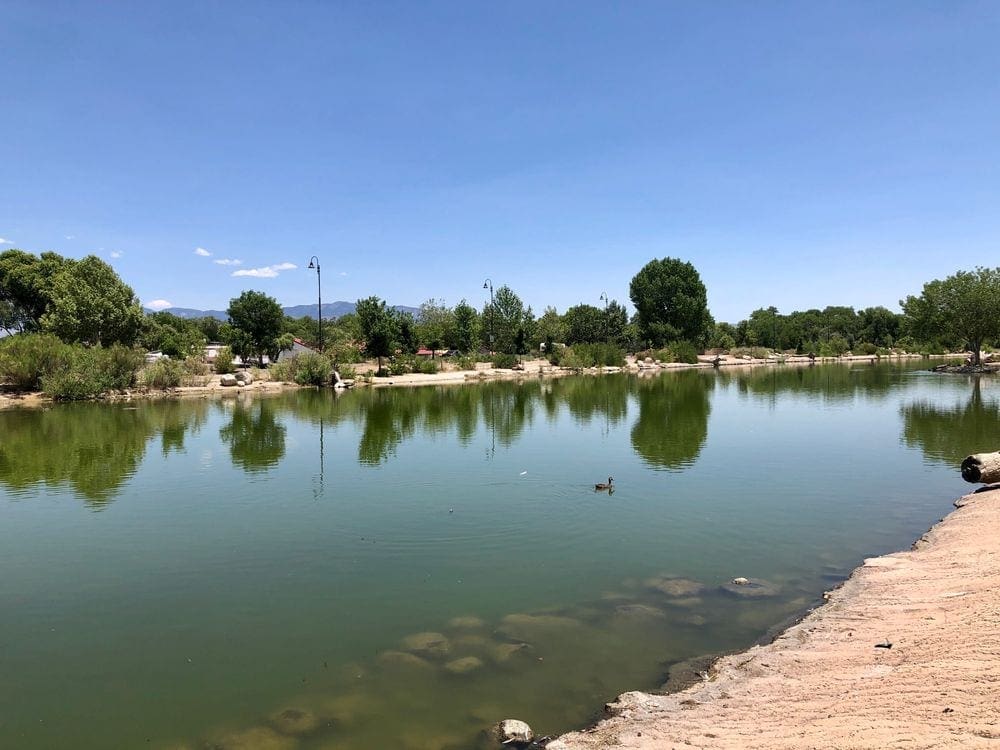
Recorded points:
(488,284)
(607,326)
(314,263)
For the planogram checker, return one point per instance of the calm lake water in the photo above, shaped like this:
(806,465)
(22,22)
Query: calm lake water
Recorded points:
(250,572)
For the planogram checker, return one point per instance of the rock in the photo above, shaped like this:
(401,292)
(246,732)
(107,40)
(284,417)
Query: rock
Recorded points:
(402,659)
(467,622)
(754,588)
(638,613)
(675,586)
(513,732)
(244,376)
(335,378)
(294,721)
(255,738)
(647,361)
(523,627)
(740,581)
(504,652)
(464,665)
(227,380)
(350,708)
(470,642)
(432,645)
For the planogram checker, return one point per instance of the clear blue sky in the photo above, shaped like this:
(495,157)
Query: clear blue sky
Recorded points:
(799,154)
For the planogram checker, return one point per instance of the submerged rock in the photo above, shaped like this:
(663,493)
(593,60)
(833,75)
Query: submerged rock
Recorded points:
(636,612)
(464,665)
(524,627)
(675,586)
(504,652)
(349,708)
(754,588)
(255,738)
(467,622)
(432,645)
(393,658)
(294,721)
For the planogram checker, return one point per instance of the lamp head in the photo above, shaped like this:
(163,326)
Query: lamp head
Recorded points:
(311,264)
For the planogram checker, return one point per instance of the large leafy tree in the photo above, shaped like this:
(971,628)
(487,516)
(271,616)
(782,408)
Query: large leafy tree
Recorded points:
(550,328)
(504,322)
(172,335)
(435,322)
(379,327)
(963,307)
(90,304)
(671,303)
(466,327)
(255,325)
(584,324)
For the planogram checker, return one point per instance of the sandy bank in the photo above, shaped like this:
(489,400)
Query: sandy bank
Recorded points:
(825,684)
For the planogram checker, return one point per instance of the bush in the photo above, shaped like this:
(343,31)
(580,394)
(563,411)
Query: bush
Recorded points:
(223,362)
(195,365)
(312,368)
(425,366)
(683,351)
(504,361)
(866,348)
(162,374)
(283,371)
(118,366)
(599,355)
(26,358)
(88,373)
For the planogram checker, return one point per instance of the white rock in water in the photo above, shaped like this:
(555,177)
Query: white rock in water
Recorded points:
(741,581)
(514,732)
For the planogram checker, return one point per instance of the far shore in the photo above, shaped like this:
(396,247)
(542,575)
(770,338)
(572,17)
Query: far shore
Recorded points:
(451,375)
(903,655)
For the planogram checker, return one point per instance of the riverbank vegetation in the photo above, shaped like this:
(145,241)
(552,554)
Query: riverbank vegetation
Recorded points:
(74,329)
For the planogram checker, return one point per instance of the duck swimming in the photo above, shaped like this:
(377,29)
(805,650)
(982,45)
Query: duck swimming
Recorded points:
(602,486)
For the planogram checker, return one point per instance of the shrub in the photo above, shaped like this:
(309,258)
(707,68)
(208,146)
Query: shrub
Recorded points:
(599,355)
(118,366)
(504,361)
(465,362)
(283,371)
(164,373)
(26,358)
(425,366)
(88,373)
(195,365)
(312,368)
(683,351)
(398,366)
(224,361)
(867,348)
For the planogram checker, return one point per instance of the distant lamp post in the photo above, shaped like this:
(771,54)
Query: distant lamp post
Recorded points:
(607,323)
(314,263)
(488,284)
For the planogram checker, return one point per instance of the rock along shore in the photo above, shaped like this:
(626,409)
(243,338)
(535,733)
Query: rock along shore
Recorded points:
(834,681)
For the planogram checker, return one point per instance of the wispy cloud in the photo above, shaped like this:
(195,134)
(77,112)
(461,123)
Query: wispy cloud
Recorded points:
(343,273)
(228,262)
(158,304)
(202,252)
(116,253)
(70,236)
(266,272)
(6,242)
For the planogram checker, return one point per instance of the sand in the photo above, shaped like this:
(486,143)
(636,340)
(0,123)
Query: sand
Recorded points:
(825,682)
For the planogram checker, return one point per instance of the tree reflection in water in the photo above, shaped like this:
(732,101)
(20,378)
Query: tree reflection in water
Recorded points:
(673,418)
(949,434)
(256,438)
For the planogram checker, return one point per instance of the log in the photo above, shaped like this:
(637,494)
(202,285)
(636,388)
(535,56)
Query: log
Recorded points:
(981,467)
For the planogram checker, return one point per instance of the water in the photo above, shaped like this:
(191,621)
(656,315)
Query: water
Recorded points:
(243,572)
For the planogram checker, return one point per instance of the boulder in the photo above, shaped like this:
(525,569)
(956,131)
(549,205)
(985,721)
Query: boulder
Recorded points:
(294,721)
(227,380)
(466,621)
(754,588)
(464,665)
(513,732)
(393,659)
(244,376)
(675,586)
(430,645)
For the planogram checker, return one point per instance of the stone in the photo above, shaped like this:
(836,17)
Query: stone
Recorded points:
(349,708)
(524,627)
(504,652)
(432,645)
(402,659)
(675,586)
(466,622)
(255,738)
(513,732)
(335,378)
(244,376)
(638,612)
(754,588)
(740,581)
(464,665)
(227,380)
(294,721)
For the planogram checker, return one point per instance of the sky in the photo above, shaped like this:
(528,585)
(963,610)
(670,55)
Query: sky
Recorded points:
(798,154)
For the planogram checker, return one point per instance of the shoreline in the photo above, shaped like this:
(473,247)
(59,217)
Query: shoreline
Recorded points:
(537,368)
(830,681)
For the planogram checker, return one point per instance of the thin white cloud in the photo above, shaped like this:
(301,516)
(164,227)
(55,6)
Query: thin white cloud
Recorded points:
(202,252)
(343,273)
(70,236)
(6,242)
(158,304)
(116,253)
(265,272)
(228,262)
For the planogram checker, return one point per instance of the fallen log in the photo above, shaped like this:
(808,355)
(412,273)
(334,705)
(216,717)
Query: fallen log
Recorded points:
(982,467)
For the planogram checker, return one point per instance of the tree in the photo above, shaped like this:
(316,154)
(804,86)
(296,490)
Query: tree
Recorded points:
(379,328)
(172,335)
(550,329)
(879,326)
(466,327)
(585,324)
(504,321)
(435,322)
(25,288)
(255,324)
(89,304)
(616,327)
(964,307)
(671,303)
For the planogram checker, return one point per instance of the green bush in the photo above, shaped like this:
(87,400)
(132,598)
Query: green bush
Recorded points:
(26,358)
(195,365)
(599,355)
(283,371)
(504,361)
(465,362)
(224,361)
(398,366)
(312,368)
(866,348)
(683,351)
(118,366)
(425,366)
(162,374)
(89,373)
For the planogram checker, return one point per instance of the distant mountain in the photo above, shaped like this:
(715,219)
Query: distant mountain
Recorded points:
(331,311)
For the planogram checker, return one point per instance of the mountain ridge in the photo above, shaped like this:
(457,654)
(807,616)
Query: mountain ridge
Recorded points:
(331,311)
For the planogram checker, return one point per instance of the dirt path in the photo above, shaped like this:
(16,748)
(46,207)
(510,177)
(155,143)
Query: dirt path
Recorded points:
(824,683)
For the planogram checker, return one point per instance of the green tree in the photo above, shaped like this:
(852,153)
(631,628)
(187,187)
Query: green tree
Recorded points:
(435,323)
(550,329)
(963,307)
(879,326)
(255,324)
(466,327)
(91,305)
(379,328)
(504,320)
(172,335)
(616,326)
(585,324)
(26,288)
(671,303)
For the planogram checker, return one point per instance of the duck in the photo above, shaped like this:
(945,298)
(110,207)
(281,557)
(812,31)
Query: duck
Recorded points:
(602,486)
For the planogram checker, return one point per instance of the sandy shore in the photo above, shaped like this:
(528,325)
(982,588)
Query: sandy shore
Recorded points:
(824,683)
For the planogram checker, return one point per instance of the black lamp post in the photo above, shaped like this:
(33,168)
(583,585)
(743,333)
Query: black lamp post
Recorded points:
(314,263)
(607,327)
(488,284)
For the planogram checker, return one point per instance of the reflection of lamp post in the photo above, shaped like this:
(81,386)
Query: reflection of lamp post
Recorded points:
(314,263)
(607,326)
(488,284)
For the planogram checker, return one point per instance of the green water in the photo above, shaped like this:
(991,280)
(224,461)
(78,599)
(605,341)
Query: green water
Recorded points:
(180,573)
